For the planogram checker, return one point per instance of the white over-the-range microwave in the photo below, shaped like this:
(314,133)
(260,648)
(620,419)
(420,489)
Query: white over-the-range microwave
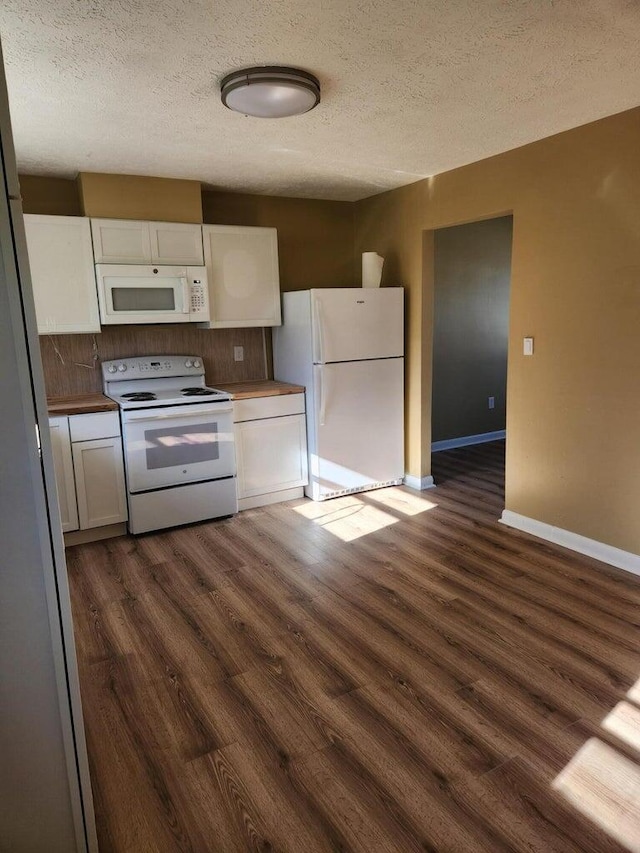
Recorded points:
(135,293)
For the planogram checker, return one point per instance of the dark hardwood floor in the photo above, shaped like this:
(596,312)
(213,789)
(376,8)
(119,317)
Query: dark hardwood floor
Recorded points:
(392,671)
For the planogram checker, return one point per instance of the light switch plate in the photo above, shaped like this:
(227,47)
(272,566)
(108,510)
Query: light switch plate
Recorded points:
(238,353)
(527,346)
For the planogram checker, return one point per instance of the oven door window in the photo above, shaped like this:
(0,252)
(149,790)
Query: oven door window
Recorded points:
(169,447)
(166,448)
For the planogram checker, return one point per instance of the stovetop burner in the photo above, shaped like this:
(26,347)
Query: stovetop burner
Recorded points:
(196,392)
(154,382)
(139,396)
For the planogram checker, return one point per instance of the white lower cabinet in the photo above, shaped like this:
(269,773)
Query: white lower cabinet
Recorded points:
(271,449)
(99,482)
(63,464)
(87,452)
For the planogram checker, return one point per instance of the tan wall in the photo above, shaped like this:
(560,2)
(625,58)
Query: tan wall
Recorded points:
(140,197)
(52,196)
(315,238)
(472,271)
(573,412)
(386,224)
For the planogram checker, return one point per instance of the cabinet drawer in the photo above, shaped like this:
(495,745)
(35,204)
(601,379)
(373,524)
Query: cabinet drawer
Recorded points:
(98,425)
(256,408)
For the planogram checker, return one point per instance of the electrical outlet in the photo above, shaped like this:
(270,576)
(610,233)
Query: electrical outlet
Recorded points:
(492,402)
(238,353)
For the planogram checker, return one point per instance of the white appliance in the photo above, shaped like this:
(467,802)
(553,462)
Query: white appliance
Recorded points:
(178,441)
(346,346)
(136,293)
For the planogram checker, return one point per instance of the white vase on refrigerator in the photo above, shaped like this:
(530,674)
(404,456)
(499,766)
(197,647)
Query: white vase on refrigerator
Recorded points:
(346,346)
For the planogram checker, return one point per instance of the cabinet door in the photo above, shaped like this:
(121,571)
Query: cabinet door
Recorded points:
(244,281)
(271,455)
(121,241)
(100,486)
(62,272)
(176,243)
(61,446)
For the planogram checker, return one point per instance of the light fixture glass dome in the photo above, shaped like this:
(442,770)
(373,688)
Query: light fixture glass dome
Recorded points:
(270,91)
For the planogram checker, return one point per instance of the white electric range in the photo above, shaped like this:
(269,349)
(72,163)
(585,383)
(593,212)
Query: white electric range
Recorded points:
(178,441)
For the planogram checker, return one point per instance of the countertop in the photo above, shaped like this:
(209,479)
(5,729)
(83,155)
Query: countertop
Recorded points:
(80,404)
(259,388)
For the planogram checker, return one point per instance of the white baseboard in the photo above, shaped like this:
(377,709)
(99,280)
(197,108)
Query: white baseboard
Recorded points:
(590,547)
(95,534)
(464,440)
(271,498)
(420,483)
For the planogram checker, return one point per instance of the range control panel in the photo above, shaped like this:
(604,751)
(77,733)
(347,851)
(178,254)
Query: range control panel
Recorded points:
(147,366)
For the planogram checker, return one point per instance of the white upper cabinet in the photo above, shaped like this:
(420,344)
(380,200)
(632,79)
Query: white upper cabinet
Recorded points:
(62,273)
(121,241)
(128,241)
(176,243)
(243,275)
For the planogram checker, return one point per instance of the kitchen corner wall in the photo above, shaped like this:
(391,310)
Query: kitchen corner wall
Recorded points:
(315,237)
(139,197)
(573,408)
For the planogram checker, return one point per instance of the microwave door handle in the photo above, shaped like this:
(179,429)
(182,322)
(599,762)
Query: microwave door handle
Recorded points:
(186,295)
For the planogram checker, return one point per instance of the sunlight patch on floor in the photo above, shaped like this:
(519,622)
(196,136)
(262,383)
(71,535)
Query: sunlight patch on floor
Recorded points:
(624,722)
(353,516)
(634,692)
(401,500)
(348,518)
(604,785)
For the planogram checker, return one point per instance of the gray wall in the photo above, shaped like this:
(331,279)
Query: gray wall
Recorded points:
(472,274)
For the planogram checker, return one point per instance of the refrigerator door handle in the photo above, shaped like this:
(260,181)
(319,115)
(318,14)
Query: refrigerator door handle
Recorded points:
(320,326)
(322,396)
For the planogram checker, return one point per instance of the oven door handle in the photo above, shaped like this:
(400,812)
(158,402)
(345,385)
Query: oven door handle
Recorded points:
(172,416)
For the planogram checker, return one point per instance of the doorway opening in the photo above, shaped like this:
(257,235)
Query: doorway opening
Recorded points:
(472,279)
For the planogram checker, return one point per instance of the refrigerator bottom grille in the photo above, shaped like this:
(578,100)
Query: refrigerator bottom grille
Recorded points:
(355,489)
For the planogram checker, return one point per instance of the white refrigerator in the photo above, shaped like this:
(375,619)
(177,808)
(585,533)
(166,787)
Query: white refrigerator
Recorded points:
(346,346)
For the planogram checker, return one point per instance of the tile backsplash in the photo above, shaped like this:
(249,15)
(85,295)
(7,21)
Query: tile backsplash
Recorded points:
(70,367)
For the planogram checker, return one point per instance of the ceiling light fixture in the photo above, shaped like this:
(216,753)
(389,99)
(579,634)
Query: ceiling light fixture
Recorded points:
(270,91)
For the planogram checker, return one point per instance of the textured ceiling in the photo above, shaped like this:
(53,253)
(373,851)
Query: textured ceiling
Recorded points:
(410,88)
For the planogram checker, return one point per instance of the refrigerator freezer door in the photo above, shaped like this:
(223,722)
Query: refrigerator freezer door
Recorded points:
(354,323)
(359,422)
